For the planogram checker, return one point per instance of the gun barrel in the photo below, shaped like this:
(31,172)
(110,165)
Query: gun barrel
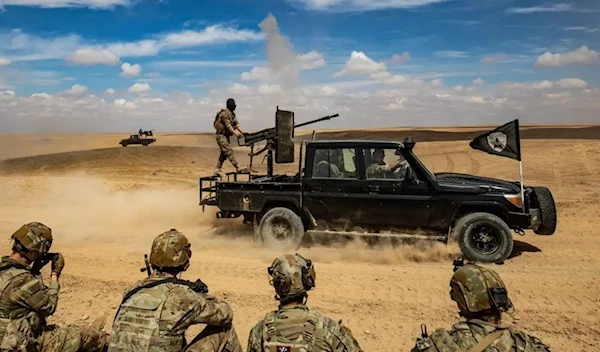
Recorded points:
(317,120)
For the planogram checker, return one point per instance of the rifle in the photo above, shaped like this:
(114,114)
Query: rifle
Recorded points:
(270,135)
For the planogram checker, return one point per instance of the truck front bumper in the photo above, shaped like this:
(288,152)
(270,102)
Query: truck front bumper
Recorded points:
(529,220)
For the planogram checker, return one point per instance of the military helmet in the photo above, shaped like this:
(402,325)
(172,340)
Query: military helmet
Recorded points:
(479,290)
(292,276)
(33,236)
(171,249)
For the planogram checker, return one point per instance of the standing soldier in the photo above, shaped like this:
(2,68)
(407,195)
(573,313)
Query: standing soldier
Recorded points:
(25,302)
(294,327)
(156,311)
(482,298)
(226,124)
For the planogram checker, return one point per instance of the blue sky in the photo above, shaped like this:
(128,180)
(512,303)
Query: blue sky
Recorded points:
(168,61)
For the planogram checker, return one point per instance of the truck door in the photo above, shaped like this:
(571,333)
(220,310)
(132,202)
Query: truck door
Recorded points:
(331,188)
(389,199)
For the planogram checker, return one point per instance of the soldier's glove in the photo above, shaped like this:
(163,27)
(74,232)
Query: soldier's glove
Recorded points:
(58,263)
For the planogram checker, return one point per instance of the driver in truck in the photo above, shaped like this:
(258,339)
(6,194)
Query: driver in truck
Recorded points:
(379,169)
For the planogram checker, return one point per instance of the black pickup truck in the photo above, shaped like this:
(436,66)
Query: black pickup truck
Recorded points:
(343,181)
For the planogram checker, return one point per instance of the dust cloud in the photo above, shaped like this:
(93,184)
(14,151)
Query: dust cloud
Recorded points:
(282,59)
(80,207)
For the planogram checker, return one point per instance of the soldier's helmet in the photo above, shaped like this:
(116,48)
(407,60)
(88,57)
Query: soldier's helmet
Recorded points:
(479,290)
(171,249)
(34,237)
(292,276)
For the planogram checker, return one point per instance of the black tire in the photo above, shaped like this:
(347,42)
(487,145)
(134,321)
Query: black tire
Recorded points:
(291,224)
(124,145)
(547,211)
(476,231)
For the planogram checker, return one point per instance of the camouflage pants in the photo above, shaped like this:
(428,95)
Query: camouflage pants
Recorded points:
(226,151)
(215,339)
(72,338)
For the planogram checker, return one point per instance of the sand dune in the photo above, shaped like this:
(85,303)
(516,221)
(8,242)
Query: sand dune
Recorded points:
(106,204)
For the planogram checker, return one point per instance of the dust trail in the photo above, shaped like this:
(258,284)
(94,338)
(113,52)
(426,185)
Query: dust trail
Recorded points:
(82,208)
(281,58)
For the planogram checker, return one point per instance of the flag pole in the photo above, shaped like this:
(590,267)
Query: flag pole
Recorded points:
(520,164)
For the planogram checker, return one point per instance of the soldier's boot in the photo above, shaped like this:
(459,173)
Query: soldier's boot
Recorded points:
(219,172)
(242,170)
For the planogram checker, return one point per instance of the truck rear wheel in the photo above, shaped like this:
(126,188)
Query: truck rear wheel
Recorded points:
(281,227)
(547,211)
(484,237)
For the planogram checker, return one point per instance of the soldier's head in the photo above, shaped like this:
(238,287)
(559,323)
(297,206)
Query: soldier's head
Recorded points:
(479,292)
(292,276)
(231,104)
(171,252)
(378,156)
(32,241)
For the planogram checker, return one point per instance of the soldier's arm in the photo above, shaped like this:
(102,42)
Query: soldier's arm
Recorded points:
(255,338)
(342,339)
(30,293)
(206,309)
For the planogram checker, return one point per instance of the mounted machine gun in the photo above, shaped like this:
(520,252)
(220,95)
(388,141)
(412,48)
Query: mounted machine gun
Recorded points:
(279,138)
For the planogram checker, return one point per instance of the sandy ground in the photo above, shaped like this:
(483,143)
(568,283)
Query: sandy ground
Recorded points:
(106,204)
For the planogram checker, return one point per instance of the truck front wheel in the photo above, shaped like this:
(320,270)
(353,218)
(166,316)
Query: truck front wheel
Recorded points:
(484,237)
(281,227)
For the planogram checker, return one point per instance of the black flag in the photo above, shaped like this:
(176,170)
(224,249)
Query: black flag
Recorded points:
(503,141)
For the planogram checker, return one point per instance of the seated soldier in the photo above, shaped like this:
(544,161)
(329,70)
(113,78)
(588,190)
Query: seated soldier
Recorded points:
(482,298)
(26,303)
(293,326)
(157,311)
(379,169)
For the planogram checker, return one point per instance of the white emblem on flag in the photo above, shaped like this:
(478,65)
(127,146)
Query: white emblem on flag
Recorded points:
(497,141)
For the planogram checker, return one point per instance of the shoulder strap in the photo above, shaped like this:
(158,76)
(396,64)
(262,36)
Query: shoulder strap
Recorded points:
(483,344)
(141,287)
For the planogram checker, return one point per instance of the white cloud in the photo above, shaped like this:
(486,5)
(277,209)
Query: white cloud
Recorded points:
(110,91)
(257,73)
(311,60)
(437,83)
(4,61)
(478,81)
(544,8)
(572,83)
(76,90)
(7,94)
(92,56)
(27,47)
(130,70)
(139,88)
(92,4)
(357,104)
(581,56)
(211,34)
(362,5)
(493,59)
(360,64)
(452,54)
(124,103)
(400,59)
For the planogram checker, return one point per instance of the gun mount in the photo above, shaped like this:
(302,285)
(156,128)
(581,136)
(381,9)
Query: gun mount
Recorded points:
(279,139)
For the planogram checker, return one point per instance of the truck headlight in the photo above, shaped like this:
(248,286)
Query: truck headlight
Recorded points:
(514,199)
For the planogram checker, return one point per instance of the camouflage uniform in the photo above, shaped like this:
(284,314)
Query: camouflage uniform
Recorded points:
(224,120)
(481,297)
(383,170)
(157,315)
(25,302)
(293,327)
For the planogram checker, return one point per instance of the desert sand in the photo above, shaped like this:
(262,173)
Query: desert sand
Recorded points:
(106,203)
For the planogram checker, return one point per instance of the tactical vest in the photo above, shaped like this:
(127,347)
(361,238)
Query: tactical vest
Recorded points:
(273,341)
(137,325)
(20,329)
